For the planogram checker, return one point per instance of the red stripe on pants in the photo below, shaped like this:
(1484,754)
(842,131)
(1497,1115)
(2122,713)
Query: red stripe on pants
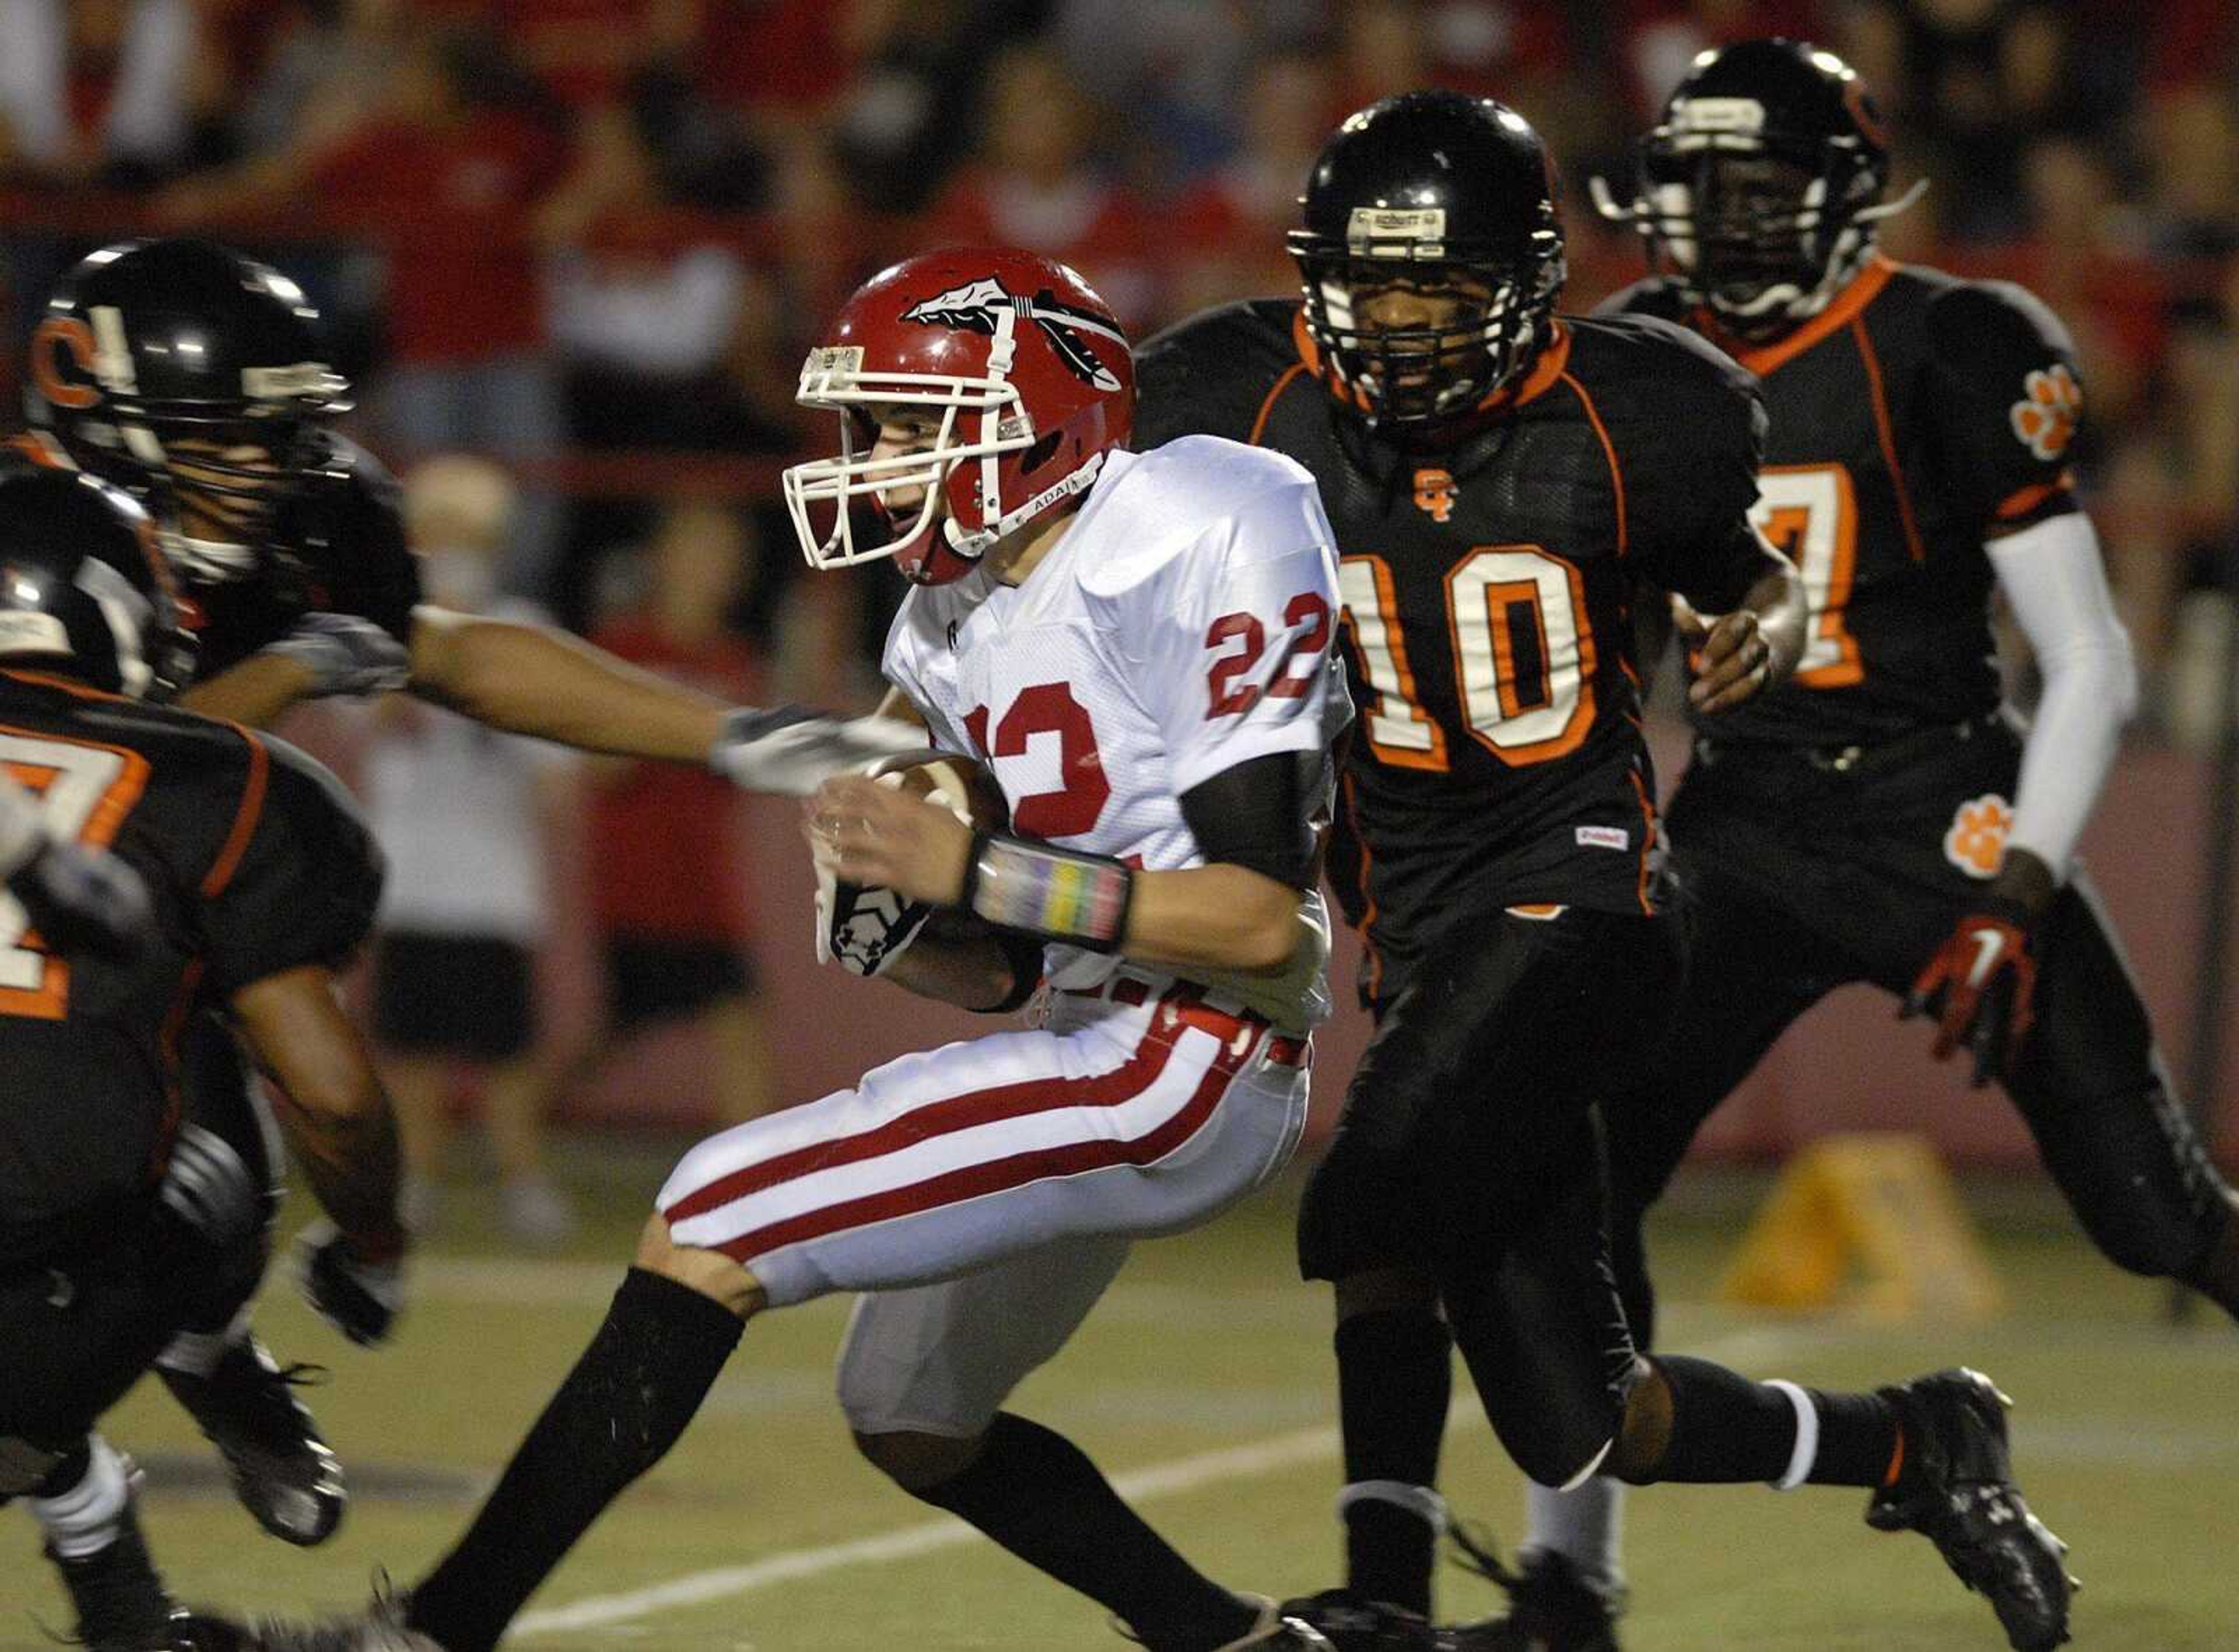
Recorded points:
(972,1108)
(995,1176)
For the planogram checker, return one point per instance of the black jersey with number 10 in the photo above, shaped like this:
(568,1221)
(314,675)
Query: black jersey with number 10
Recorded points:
(1497,759)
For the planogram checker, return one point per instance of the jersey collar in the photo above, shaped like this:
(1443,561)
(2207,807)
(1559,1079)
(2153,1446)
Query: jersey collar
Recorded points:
(1863,288)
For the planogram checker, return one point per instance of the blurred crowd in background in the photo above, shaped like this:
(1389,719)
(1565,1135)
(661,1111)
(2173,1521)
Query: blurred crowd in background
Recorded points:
(592,238)
(589,241)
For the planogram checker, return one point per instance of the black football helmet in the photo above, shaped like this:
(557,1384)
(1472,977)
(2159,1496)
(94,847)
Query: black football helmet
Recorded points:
(83,586)
(148,345)
(1446,192)
(1758,190)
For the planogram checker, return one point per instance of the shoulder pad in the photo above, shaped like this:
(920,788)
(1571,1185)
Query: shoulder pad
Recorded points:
(1641,360)
(1173,494)
(1210,374)
(1996,325)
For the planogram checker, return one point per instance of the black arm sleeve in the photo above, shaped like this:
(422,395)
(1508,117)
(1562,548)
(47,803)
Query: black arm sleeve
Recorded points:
(1255,815)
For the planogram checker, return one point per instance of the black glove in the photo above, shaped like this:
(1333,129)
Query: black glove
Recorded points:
(1981,985)
(346,655)
(359,1298)
(81,899)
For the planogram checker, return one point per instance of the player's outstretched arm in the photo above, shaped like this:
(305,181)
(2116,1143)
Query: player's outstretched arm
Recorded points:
(337,1119)
(540,681)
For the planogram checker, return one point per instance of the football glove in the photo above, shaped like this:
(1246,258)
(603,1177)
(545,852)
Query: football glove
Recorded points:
(346,655)
(359,1298)
(862,927)
(791,751)
(1981,986)
(79,900)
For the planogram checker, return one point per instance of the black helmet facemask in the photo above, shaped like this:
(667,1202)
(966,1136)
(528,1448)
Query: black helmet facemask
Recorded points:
(1432,372)
(1451,199)
(1758,192)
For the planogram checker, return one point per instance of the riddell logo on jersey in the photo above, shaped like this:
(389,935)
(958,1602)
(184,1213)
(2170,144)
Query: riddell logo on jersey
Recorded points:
(1434,494)
(1603,838)
(2045,418)
(1977,842)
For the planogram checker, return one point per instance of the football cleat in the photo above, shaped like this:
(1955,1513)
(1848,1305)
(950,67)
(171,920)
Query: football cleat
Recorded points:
(1551,1609)
(1956,1489)
(120,1598)
(1352,1624)
(1276,1630)
(280,1467)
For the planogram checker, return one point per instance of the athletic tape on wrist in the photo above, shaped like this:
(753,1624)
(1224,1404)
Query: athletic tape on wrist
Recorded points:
(1079,900)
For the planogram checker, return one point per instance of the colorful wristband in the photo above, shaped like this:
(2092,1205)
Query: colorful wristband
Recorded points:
(1076,899)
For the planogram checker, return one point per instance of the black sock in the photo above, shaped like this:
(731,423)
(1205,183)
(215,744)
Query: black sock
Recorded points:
(1858,1436)
(1724,1428)
(1394,1378)
(1727,1429)
(1037,1494)
(617,1414)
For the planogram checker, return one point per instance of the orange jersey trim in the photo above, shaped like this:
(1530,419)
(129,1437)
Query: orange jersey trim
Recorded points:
(1367,893)
(1609,452)
(1274,394)
(244,819)
(2022,500)
(1887,433)
(1647,838)
(1864,287)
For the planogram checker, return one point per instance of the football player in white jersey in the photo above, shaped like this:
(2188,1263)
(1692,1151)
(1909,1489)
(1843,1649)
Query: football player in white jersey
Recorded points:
(1138,647)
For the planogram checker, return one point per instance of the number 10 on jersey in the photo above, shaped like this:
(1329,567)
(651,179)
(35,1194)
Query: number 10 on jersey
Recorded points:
(1522,657)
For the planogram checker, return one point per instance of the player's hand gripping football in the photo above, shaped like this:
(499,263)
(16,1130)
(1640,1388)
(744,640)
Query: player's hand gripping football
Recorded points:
(1981,983)
(1733,659)
(864,833)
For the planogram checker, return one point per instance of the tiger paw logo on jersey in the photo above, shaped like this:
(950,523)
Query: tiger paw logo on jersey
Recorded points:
(1977,842)
(2046,416)
(1434,494)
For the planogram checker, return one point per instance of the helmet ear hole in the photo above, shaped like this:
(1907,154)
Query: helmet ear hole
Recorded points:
(1040,453)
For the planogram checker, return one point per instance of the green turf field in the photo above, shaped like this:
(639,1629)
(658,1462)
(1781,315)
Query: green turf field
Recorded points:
(1203,1382)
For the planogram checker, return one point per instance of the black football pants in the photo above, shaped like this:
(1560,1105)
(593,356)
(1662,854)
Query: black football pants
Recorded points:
(83,1324)
(1470,1149)
(1797,878)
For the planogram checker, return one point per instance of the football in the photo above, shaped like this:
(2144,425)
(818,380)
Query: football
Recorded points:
(958,784)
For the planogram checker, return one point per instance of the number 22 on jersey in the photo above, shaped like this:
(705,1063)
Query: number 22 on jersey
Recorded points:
(84,791)
(1523,657)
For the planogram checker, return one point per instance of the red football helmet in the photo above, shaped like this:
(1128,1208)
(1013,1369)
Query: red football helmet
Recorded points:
(1035,380)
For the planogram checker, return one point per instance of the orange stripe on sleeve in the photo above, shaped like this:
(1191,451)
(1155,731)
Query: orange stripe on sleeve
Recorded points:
(2022,500)
(244,820)
(1609,451)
